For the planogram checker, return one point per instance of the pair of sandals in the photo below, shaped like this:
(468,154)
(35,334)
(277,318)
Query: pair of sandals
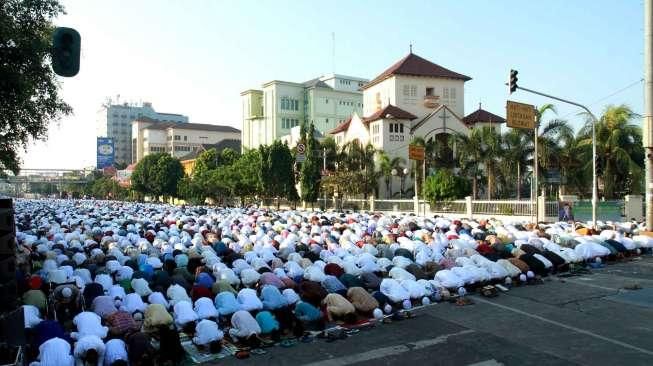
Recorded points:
(489,291)
(464,301)
(245,353)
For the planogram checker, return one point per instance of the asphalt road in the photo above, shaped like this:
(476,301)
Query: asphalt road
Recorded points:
(585,320)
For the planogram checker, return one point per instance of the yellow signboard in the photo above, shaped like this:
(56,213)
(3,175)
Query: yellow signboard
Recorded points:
(520,115)
(415,152)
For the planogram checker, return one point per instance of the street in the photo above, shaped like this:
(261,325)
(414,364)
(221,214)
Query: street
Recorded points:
(585,320)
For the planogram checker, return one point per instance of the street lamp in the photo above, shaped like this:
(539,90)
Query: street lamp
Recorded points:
(402,174)
(394,174)
(403,180)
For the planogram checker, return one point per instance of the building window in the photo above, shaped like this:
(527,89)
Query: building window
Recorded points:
(177,138)
(185,138)
(288,123)
(326,121)
(327,101)
(445,93)
(401,128)
(413,90)
(429,92)
(406,90)
(453,93)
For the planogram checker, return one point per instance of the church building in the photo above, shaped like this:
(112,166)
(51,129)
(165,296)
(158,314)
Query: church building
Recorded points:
(412,98)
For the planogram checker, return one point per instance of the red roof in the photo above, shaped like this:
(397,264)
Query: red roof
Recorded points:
(414,65)
(390,110)
(481,115)
(341,127)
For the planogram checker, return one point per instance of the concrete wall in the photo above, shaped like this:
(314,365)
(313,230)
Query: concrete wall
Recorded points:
(415,104)
(378,96)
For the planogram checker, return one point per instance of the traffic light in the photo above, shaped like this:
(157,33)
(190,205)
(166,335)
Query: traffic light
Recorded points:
(512,81)
(66,46)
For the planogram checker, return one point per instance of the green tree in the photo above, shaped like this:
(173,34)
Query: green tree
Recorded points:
(108,188)
(517,150)
(310,172)
(157,175)
(228,156)
(29,92)
(354,157)
(444,185)
(276,172)
(245,175)
(330,146)
(480,153)
(205,161)
(189,190)
(386,165)
(620,155)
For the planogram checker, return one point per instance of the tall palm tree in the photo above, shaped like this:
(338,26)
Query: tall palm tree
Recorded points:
(553,135)
(620,156)
(469,153)
(386,164)
(571,167)
(517,150)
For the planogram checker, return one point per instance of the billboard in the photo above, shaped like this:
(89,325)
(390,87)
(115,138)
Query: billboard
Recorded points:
(105,152)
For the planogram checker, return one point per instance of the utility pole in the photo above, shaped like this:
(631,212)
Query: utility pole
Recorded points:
(648,110)
(594,121)
(323,174)
(536,172)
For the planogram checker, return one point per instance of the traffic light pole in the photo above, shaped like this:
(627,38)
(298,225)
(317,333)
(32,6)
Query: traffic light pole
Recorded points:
(594,121)
(648,111)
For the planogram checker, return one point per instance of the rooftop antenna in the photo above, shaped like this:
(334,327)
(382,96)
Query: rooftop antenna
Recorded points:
(410,47)
(333,52)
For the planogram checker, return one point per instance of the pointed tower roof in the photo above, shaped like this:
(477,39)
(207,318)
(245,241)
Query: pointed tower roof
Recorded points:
(414,65)
(390,111)
(481,115)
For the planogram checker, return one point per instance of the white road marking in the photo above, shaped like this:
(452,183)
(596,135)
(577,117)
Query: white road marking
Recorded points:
(569,327)
(388,351)
(575,282)
(491,362)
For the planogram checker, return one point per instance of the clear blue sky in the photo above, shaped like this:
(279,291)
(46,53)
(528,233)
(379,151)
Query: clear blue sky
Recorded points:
(195,57)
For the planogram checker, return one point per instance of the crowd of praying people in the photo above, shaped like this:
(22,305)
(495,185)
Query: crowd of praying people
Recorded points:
(117,283)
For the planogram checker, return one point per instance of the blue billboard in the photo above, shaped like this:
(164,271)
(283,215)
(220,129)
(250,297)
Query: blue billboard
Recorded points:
(105,152)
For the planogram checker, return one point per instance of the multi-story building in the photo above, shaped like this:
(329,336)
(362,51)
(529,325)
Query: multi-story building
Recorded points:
(114,121)
(412,98)
(278,106)
(177,139)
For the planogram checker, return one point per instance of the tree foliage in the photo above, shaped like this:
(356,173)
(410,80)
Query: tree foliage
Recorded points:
(29,92)
(106,188)
(157,175)
(445,186)
(620,155)
(310,172)
(276,171)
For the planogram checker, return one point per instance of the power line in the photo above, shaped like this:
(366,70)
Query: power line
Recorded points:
(609,96)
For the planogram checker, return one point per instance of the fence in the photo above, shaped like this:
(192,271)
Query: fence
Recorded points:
(458,207)
(508,208)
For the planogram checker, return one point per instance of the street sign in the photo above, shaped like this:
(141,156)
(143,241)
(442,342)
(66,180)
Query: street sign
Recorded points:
(520,115)
(301,150)
(415,152)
